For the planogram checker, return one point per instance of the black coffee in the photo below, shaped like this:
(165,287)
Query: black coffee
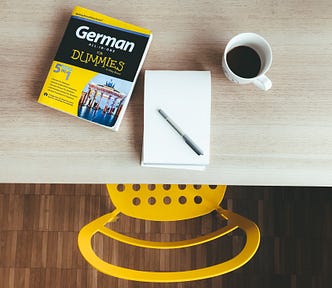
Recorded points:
(244,61)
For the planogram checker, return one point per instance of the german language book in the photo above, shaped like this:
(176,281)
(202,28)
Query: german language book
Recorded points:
(95,68)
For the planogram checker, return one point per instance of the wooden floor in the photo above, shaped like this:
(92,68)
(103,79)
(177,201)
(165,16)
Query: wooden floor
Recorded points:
(39,226)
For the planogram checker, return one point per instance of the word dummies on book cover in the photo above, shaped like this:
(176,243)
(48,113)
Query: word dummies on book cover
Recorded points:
(95,68)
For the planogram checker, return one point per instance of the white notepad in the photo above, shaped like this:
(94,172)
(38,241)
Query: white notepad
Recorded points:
(185,96)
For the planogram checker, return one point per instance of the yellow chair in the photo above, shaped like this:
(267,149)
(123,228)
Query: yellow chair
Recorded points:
(167,203)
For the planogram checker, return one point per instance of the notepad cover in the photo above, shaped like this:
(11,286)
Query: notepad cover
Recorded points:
(186,97)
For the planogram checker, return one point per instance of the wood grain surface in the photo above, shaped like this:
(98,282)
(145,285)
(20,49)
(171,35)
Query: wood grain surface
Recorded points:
(39,224)
(279,137)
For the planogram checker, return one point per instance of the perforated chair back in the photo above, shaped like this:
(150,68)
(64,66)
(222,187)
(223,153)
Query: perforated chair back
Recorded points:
(167,203)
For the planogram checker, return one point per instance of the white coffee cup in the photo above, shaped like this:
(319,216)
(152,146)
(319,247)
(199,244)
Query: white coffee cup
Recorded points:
(264,51)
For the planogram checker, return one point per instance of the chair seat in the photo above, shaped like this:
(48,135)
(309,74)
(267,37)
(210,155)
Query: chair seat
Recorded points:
(125,198)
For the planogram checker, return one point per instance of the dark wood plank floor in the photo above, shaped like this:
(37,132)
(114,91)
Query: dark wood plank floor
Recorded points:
(39,226)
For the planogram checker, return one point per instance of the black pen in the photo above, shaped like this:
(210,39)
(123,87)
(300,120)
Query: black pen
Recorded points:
(185,137)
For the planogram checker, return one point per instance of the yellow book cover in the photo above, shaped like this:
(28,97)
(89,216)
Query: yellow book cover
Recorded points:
(95,68)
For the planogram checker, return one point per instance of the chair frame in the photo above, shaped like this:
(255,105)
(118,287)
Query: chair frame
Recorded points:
(234,221)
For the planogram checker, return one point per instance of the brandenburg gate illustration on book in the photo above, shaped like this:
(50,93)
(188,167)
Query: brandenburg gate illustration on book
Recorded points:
(101,103)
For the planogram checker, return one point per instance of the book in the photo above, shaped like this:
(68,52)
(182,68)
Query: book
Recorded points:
(177,104)
(95,68)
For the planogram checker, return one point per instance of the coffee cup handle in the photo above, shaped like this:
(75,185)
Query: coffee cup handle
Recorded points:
(263,83)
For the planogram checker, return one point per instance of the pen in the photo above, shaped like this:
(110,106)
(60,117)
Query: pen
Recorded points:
(185,137)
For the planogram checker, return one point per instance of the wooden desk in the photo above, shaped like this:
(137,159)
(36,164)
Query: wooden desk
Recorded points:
(279,137)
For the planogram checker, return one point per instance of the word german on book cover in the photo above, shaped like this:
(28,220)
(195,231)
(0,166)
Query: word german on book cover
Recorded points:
(95,68)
